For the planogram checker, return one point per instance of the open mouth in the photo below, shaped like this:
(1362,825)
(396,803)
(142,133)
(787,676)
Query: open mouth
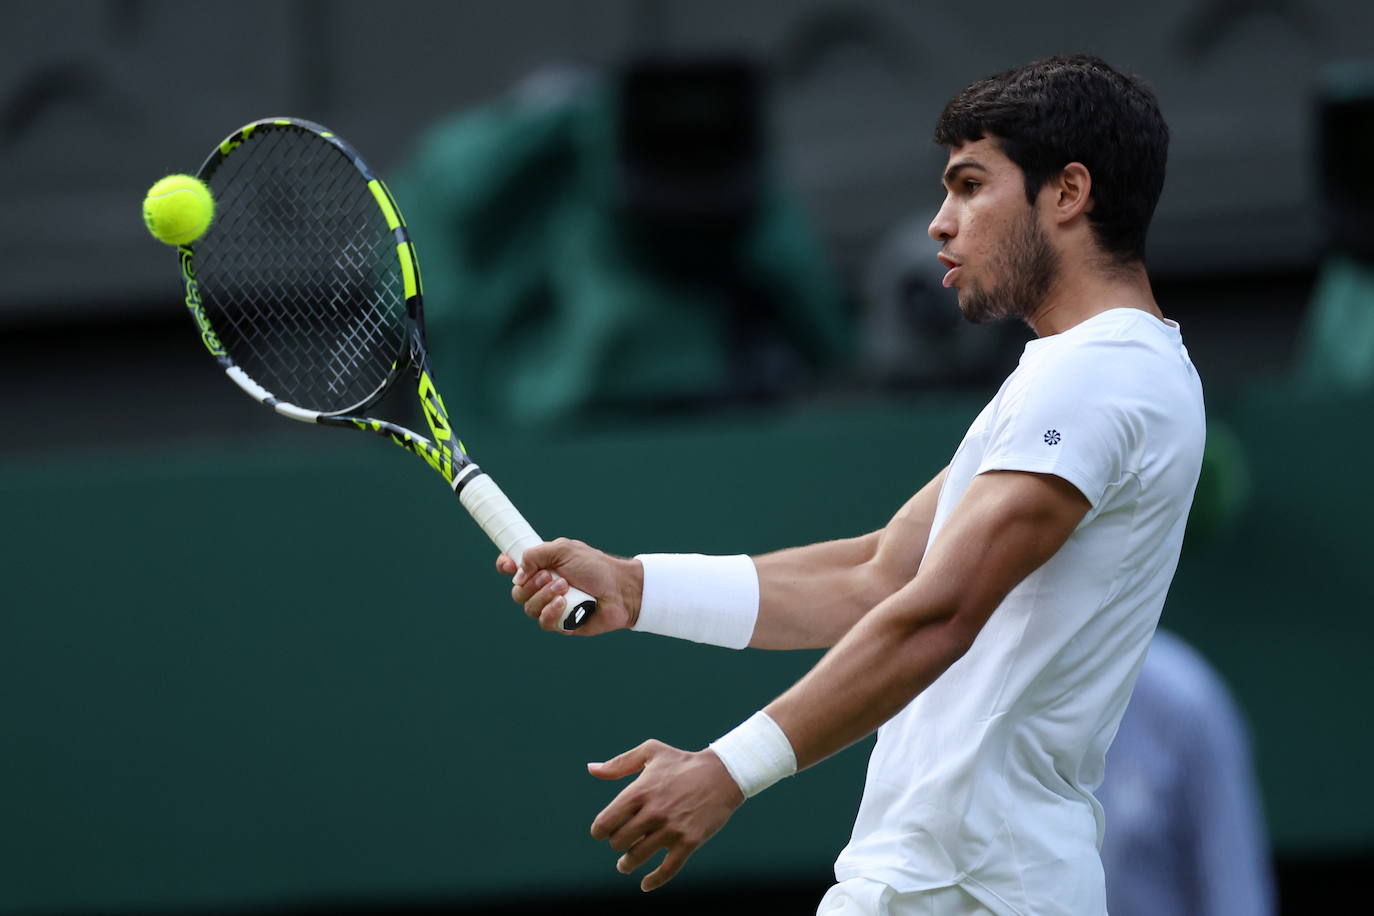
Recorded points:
(954,268)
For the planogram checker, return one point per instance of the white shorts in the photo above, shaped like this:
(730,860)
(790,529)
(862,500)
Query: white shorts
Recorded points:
(866,897)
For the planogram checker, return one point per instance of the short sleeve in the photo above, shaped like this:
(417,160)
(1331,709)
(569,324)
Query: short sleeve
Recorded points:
(1074,414)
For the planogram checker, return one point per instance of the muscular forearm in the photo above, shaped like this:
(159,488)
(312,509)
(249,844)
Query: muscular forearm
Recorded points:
(884,660)
(806,597)
(810,596)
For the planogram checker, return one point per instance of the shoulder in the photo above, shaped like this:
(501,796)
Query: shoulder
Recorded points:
(1126,364)
(1111,348)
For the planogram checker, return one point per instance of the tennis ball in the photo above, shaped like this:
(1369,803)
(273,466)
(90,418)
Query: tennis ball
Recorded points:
(178,209)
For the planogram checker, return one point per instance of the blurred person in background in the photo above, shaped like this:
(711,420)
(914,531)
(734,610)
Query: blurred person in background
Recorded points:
(992,631)
(1185,831)
(1185,828)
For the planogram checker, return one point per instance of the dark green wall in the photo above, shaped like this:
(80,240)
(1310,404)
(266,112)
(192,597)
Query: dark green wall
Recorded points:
(234,675)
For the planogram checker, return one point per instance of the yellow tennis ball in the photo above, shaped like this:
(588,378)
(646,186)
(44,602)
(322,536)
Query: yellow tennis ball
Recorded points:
(178,209)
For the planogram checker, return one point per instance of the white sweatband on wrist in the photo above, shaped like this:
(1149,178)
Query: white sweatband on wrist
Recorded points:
(756,753)
(713,600)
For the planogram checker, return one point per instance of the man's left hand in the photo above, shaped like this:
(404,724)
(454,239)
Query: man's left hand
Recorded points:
(679,801)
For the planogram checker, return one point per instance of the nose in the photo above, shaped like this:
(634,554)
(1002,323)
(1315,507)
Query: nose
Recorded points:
(942,228)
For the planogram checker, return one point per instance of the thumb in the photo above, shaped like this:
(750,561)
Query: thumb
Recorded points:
(548,555)
(540,556)
(631,761)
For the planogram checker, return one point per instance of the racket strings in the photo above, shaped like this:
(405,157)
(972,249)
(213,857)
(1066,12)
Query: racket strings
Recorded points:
(299,275)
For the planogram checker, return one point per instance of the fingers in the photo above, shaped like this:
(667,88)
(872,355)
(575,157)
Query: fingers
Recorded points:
(641,851)
(618,817)
(527,582)
(675,805)
(551,615)
(542,596)
(622,765)
(672,864)
(635,830)
(535,583)
(644,849)
(539,557)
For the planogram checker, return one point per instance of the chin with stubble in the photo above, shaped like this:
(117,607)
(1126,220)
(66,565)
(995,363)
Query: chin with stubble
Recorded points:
(1027,266)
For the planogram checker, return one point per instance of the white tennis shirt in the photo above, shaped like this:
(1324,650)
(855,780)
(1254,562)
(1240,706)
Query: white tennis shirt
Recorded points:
(985,779)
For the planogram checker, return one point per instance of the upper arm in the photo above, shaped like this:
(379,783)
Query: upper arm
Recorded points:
(1006,526)
(810,596)
(897,548)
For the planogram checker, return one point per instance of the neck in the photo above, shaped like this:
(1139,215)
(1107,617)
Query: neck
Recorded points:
(1078,295)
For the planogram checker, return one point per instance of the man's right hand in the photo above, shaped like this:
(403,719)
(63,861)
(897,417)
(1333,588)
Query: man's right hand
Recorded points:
(546,570)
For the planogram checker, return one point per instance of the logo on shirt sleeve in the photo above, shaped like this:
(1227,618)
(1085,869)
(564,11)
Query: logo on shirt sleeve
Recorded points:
(1051,437)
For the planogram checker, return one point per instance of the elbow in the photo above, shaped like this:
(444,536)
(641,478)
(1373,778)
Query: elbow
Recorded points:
(957,633)
(942,641)
(874,581)
(963,619)
(942,629)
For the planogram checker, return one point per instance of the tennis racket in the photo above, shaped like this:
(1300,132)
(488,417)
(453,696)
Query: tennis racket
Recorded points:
(307,291)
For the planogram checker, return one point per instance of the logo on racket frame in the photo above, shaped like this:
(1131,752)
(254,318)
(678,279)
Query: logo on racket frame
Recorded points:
(207,334)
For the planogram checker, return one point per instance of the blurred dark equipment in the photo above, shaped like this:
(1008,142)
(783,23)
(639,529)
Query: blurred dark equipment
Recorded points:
(1345,113)
(913,333)
(690,152)
(1338,346)
(690,147)
(620,243)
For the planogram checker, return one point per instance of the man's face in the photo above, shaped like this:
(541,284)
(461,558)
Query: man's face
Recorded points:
(1000,258)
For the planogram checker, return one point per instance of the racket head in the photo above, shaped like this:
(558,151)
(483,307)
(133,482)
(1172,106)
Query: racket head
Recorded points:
(306,287)
(307,290)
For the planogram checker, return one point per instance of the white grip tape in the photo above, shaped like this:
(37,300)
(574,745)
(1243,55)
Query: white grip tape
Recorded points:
(498,517)
(512,535)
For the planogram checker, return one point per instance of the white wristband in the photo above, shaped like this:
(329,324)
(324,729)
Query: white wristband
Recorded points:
(713,600)
(756,753)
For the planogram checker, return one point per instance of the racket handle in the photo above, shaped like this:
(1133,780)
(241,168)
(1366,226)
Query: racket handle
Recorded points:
(512,535)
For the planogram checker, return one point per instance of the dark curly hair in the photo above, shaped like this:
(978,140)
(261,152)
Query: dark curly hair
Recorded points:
(1074,108)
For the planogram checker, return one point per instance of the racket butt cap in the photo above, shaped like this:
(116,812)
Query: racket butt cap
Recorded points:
(581,612)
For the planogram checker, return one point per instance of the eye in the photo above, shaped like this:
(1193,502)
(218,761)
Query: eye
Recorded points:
(970,185)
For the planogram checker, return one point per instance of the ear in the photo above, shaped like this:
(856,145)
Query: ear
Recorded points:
(1071,192)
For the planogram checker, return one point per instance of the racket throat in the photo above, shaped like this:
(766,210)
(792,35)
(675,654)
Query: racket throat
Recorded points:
(467,475)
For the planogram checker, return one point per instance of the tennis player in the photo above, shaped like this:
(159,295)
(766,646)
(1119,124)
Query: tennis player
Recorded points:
(993,629)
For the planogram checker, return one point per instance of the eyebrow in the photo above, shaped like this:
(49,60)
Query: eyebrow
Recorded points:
(955,168)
